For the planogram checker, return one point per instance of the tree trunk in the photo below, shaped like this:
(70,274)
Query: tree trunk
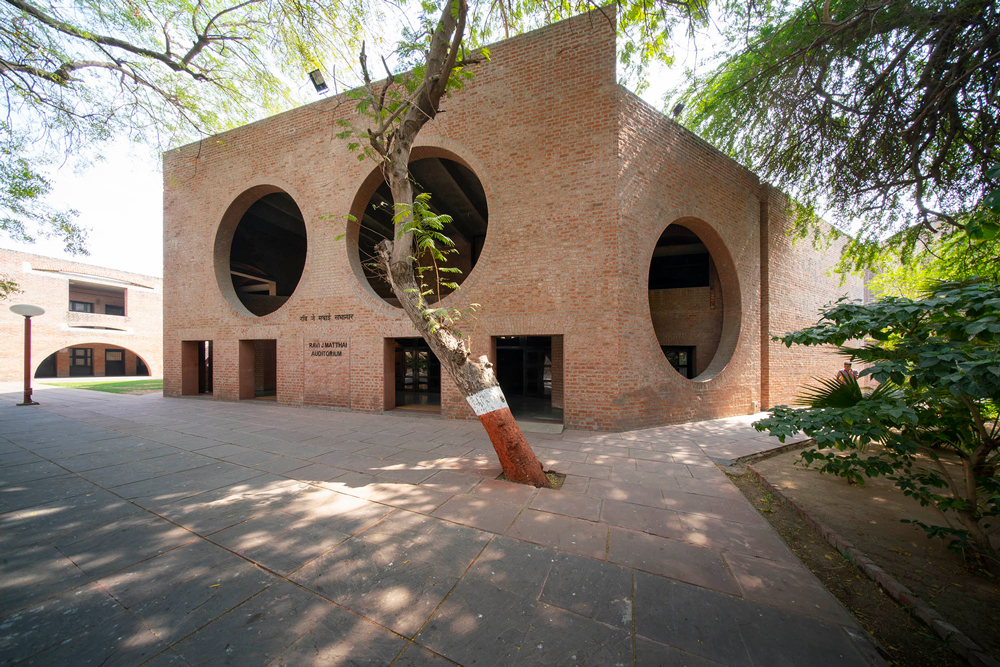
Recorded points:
(474,377)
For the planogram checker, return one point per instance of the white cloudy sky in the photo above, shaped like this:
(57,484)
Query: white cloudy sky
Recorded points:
(120,199)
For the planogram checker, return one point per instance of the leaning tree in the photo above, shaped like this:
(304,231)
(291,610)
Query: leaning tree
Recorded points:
(396,109)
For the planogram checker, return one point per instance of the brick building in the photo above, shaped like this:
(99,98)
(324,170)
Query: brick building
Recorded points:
(628,273)
(97,321)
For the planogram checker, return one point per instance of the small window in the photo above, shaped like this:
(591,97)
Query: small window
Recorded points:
(81,306)
(681,358)
(114,355)
(114,310)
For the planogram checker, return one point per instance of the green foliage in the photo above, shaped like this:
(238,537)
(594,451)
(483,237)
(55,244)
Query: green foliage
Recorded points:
(78,74)
(883,114)
(933,414)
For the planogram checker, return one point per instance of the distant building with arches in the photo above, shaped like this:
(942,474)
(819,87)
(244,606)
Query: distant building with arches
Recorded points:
(628,273)
(98,321)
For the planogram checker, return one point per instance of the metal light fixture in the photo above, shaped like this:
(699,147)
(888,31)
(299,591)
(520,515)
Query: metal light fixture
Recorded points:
(28,311)
(318,81)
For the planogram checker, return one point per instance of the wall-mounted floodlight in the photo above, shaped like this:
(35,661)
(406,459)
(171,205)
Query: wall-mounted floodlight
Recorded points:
(27,311)
(318,81)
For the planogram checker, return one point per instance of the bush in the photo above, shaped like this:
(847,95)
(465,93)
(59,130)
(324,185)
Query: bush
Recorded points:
(937,364)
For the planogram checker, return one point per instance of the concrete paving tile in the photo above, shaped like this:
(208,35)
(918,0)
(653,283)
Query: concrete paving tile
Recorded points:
(649,455)
(279,542)
(478,512)
(122,543)
(655,480)
(784,639)
(212,511)
(341,638)
(121,641)
(757,540)
(561,455)
(223,451)
(418,459)
(26,472)
(279,465)
(356,484)
(505,492)
(168,658)
(595,589)
(158,576)
(706,472)
(591,470)
(651,496)
(567,503)
(387,582)
(418,656)
(642,518)
(452,450)
(37,628)
(16,457)
(671,558)
(380,451)
(789,587)
(662,468)
(514,566)
(707,487)
(561,532)
(188,605)
(42,491)
(152,493)
(137,471)
(654,654)
(315,473)
(408,496)
(557,637)
(76,514)
(690,618)
(479,624)
(730,509)
(400,473)
(257,631)
(451,481)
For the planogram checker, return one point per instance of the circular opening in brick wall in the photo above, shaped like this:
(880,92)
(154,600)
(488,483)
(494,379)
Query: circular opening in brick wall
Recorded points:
(694,301)
(455,190)
(260,250)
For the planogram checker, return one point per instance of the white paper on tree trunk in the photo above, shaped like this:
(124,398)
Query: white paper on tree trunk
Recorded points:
(487,400)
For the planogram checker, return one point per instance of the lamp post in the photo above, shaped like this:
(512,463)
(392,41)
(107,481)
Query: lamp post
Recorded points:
(28,311)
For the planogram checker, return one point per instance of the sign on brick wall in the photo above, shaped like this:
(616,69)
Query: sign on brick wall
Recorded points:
(328,372)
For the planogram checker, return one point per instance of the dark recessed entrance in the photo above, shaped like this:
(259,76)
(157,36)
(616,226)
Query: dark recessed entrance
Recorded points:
(114,362)
(530,372)
(196,367)
(416,375)
(81,361)
(259,369)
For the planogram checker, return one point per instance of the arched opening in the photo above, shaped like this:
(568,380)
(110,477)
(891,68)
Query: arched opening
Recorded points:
(691,286)
(92,360)
(454,191)
(267,252)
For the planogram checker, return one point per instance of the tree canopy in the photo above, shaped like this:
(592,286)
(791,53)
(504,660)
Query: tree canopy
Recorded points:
(883,112)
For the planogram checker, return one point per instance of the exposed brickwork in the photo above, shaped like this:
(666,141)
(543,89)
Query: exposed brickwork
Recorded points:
(45,282)
(581,178)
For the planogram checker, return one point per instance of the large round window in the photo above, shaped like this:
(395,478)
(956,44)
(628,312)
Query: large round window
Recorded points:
(268,253)
(691,289)
(455,191)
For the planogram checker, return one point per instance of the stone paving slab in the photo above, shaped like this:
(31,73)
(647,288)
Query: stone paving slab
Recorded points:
(169,532)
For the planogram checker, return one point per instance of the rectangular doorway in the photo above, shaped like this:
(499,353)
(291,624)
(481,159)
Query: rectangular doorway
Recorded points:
(415,375)
(259,369)
(530,372)
(81,361)
(114,363)
(196,367)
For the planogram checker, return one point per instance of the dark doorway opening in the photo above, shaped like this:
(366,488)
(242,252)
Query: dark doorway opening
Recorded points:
(114,362)
(196,367)
(47,369)
(416,375)
(81,361)
(529,369)
(140,366)
(258,369)
(681,357)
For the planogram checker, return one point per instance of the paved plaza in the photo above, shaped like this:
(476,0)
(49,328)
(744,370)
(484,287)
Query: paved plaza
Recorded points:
(139,530)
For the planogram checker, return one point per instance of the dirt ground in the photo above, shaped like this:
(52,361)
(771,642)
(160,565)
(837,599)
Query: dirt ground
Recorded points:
(906,641)
(869,516)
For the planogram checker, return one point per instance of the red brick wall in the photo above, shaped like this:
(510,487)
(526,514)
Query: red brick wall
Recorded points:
(139,331)
(581,178)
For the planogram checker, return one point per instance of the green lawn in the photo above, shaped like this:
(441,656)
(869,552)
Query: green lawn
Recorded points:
(126,387)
